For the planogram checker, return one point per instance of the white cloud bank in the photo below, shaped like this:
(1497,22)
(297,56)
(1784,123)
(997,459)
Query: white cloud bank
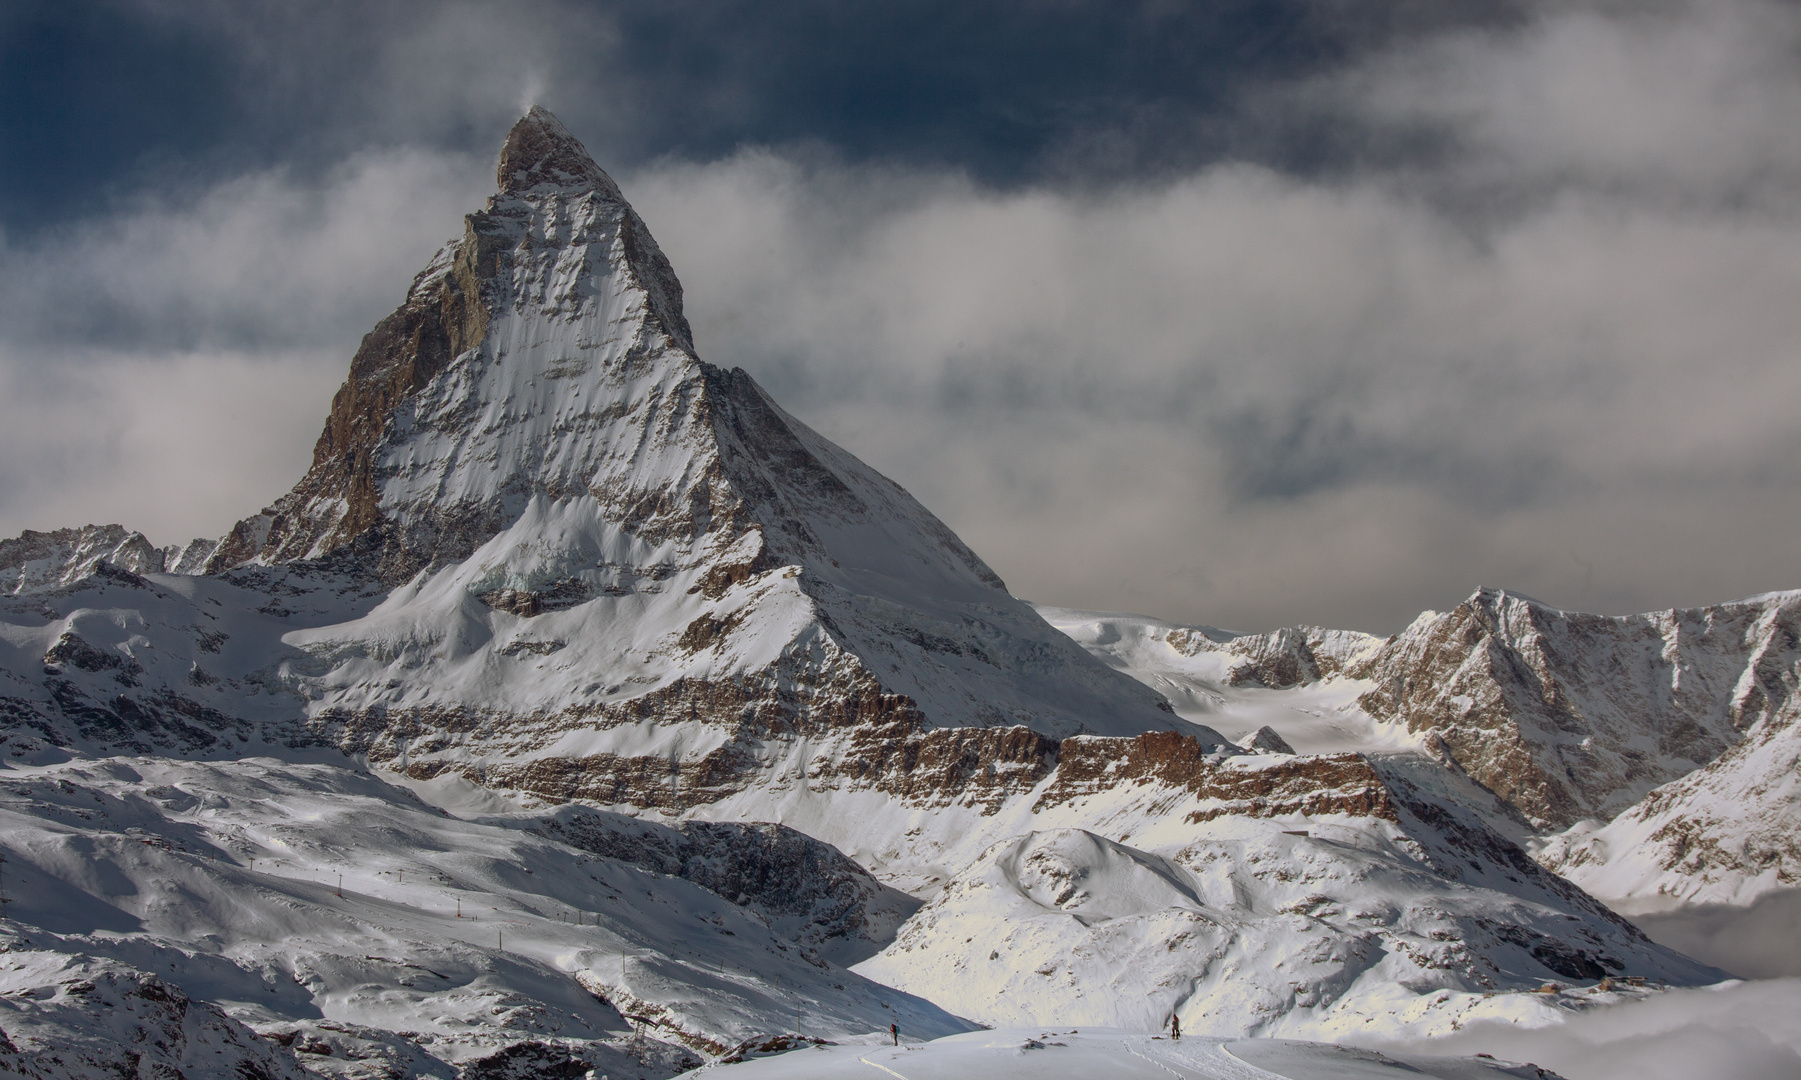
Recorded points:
(1756,941)
(1556,351)
(1736,1031)
(170,366)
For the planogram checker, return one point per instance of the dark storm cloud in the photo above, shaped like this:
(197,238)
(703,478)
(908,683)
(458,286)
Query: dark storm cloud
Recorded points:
(90,93)
(111,94)
(1247,314)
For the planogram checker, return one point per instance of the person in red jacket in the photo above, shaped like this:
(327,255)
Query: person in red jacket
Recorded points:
(894,1030)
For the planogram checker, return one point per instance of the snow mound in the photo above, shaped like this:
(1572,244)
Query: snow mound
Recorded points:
(1312,933)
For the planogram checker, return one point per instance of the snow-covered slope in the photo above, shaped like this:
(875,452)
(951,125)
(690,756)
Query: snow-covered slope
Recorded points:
(175,664)
(1039,1053)
(917,811)
(68,1015)
(1255,902)
(315,899)
(224,878)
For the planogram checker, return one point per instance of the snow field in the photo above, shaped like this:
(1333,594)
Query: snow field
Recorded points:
(226,877)
(1038,1053)
(1315,718)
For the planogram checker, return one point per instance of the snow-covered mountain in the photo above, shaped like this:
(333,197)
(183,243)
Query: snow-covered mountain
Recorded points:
(699,711)
(591,526)
(1571,716)
(1289,681)
(34,561)
(1566,716)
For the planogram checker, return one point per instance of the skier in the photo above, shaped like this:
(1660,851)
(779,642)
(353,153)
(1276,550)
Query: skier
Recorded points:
(1175,1026)
(894,1030)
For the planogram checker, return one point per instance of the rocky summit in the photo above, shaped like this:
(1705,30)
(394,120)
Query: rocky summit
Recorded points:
(591,529)
(580,711)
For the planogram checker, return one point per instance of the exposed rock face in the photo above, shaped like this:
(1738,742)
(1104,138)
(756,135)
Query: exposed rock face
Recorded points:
(1569,716)
(1332,784)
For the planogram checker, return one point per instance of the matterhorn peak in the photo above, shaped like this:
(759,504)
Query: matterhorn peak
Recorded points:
(531,439)
(481,389)
(539,151)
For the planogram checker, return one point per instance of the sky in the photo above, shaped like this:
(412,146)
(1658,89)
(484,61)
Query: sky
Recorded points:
(1240,313)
